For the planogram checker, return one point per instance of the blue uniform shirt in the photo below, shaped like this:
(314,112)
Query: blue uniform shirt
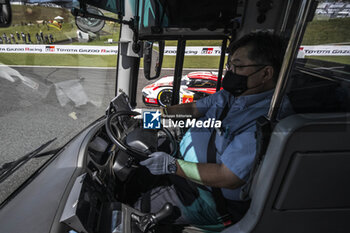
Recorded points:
(235,151)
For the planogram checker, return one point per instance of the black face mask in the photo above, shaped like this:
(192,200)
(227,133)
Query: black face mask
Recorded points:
(236,84)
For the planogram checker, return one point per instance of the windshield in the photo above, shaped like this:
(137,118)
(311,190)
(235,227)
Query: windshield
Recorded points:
(55,80)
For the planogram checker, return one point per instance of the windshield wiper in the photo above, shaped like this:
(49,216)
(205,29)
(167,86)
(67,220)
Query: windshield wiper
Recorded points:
(8,168)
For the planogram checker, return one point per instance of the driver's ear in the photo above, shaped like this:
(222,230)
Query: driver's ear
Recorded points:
(268,74)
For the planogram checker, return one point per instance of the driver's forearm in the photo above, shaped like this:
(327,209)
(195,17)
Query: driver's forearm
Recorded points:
(183,109)
(209,174)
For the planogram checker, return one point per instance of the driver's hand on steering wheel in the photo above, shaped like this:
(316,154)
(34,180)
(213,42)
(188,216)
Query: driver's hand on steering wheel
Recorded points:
(160,163)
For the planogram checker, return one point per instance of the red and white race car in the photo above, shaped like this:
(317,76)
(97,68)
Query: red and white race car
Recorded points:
(194,85)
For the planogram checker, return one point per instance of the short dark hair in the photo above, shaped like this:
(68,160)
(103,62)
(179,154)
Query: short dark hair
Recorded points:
(264,48)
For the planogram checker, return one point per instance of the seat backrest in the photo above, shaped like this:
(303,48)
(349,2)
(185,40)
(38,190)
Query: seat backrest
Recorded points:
(303,183)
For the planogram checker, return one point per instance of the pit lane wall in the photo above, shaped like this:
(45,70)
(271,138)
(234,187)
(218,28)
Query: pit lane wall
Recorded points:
(319,50)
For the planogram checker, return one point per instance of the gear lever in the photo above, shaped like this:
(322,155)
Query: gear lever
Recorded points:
(148,221)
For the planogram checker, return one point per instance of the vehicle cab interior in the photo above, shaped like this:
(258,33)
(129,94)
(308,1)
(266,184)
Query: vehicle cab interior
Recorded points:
(299,180)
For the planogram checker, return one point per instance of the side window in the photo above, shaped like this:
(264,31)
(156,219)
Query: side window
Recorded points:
(327,36)
(321,78)
(211,84)
(52,75)
(200,55)
(203,83)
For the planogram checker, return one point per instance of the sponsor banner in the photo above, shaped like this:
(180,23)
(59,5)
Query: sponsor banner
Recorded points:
(319,50)
(195,50)
(59,49)
(323,50)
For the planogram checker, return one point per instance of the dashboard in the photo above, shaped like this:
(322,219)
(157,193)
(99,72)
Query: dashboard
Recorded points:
(99,200)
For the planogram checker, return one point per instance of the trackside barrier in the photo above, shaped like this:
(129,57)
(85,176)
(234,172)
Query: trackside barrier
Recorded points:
(319,50)
(59,49)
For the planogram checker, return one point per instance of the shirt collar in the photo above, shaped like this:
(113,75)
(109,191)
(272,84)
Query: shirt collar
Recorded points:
(247,100)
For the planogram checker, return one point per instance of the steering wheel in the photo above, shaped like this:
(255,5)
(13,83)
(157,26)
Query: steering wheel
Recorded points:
(120,124)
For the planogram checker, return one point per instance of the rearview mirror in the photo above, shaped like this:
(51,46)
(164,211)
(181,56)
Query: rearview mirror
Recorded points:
(93,25)
(153,59)
(5,13)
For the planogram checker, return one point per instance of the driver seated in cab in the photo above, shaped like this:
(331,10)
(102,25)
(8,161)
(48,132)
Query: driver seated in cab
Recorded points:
(204,185)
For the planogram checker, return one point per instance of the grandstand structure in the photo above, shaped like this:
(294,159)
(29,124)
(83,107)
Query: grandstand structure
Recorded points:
(334,9)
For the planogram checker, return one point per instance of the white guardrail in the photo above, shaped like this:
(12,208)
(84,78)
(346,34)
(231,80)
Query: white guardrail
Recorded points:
(319,50)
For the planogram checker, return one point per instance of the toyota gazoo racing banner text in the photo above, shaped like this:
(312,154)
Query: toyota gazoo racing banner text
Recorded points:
(59,49)
(317,50)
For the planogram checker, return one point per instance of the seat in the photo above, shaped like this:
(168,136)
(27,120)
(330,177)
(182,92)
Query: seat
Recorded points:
(303,182)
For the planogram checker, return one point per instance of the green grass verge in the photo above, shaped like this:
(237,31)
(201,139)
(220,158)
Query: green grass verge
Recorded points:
(102,40)
(68,31)
(30,14)
(211,62)
(98,60)
(58,60)
(320,32)
(25,20)
(196,43)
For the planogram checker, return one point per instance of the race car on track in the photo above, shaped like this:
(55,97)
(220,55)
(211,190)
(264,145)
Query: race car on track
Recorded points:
(194,85)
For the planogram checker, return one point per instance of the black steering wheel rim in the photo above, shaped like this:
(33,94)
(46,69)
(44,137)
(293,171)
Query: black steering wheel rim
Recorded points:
(133,152)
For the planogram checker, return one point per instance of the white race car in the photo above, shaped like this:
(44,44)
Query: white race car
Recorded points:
(194,85)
